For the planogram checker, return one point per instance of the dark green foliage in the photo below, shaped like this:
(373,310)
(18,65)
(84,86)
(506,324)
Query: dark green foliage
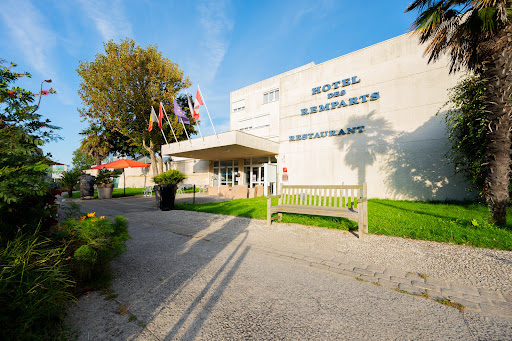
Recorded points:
(25,197)
(171,177)
(467,130)
(34,288)
(104,177)
(69,180)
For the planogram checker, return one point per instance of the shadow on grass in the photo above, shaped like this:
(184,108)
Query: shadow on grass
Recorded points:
(461,219)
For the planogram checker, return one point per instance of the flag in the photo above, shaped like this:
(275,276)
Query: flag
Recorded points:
(160,116)
(152,118)
(179,112)
(199,101)
(191,107)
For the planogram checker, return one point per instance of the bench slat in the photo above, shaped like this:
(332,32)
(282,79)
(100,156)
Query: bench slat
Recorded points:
(317,186)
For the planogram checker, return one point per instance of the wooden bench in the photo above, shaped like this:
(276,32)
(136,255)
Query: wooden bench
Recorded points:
(346,201)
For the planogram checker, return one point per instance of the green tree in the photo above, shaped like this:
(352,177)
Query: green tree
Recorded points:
(467,130)
(119,88)
(24,189)
(477,35)
(95,143)
(81,160)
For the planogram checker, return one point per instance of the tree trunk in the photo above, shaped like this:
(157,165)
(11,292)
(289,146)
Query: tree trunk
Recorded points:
(161,161)
(498,75)
(153,159)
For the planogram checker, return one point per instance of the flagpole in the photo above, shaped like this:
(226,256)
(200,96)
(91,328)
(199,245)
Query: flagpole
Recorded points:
(185,129)
(153,111)
(204,102)
(191,112)
(170,125)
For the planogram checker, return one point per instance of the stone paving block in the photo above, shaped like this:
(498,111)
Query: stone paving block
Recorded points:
(329,263)
(313,259)
(367,278)
(302,262)
(342,272)
(400,280)
(388,284)
(376,268)
(464,289)
(340,260)
(491,295)
(284,253)
(423,285)
(414,277)
(319,266)
(395,273)
(381,275)
(357,265)
(345,267)
(474,299)
(410,289)
(449,292)
(437,282)
(436,295)
(362,271)
(492,309)
(465,303)
(285,258)
(507,296)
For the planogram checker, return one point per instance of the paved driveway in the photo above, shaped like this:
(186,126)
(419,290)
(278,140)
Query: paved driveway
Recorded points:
(189,275)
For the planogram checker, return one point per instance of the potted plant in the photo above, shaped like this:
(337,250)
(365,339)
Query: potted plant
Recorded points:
(104,184)
(165,188)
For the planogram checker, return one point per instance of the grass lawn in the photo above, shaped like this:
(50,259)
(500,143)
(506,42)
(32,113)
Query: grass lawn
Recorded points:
(118,192)
(453,222)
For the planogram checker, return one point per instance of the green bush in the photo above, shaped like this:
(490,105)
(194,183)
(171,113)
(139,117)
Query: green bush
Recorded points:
(104,177)
(34,288)
(94,242)
(171,177)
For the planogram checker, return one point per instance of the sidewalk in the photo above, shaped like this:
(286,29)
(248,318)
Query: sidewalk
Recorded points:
(479,279)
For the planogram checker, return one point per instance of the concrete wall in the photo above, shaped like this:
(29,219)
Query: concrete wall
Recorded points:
(400,153)
(264,117)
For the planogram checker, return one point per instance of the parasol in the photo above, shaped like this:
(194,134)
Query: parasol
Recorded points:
(122,163)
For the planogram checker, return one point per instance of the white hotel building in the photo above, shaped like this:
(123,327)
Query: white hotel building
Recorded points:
(368,116)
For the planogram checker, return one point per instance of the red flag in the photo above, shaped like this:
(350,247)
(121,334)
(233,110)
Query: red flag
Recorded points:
(198,102)
(160,116)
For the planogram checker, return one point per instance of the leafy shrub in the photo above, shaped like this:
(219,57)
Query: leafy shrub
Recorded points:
(94,242)
(171,177)
(34,288)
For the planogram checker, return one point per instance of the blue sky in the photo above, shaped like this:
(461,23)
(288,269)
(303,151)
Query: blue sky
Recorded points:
(220,45)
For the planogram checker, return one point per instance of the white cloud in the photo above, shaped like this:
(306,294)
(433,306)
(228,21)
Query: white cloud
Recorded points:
(30,34)
(216,26)
(109,18)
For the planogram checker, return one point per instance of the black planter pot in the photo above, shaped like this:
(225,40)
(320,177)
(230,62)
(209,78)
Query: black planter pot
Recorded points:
(165,195)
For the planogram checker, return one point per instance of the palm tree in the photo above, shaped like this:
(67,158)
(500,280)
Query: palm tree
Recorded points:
(477,35)
(95,143)
(69,180)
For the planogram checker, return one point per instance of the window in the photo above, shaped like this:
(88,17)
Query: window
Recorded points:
(245,124)
(262,121)
(239,105)
(271,96)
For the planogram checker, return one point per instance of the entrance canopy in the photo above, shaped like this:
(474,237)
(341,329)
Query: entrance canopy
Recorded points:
(228,146)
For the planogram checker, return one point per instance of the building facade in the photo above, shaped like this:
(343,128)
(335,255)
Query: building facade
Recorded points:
(368,116)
